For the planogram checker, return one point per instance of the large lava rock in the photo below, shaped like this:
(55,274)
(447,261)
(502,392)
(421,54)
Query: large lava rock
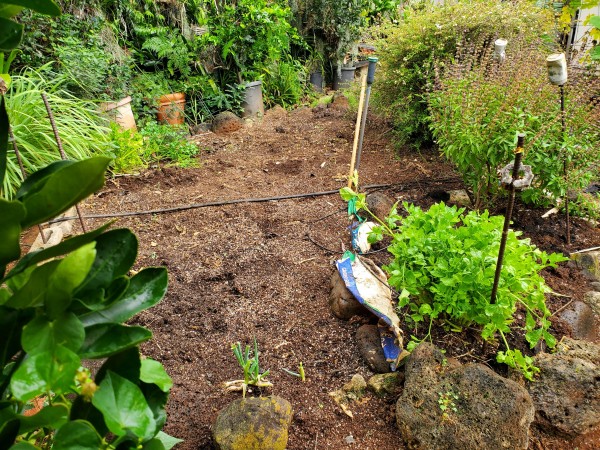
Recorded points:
(256,423)
(446,405)
(567,394)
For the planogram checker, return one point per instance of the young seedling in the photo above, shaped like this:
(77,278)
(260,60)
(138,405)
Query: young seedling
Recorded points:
(251,369)
(300,374)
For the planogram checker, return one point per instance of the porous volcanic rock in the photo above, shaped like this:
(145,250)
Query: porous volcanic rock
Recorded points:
(447,405)
(255,423)
(589,262)
(567,394)
(226,122)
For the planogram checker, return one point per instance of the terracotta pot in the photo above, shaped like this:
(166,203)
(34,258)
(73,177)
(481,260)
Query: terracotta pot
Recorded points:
(120,112)
(170,108)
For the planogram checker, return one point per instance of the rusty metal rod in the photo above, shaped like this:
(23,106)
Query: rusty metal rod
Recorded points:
(509,209)
(23,173)
(61,150)
(565,169)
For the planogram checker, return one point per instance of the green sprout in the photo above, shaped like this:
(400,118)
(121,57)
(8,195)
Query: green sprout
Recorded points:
(250,365)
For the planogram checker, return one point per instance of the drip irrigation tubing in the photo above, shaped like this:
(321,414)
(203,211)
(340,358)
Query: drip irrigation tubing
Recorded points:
(229,202)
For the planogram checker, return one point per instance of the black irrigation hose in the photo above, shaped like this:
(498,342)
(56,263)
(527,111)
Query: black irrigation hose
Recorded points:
(218,203)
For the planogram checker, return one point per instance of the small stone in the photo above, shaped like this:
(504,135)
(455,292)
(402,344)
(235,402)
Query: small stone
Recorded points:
(592,298)
(349,439)
(226,122)
(580,318)
(386,383)
(341,301)
(459,197)
(368,342)
(380,204)
(595,285)
(52,235)
(356,386)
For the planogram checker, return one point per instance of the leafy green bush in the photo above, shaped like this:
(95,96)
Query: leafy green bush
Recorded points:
(444,264)
(410,50)
(164,142)
(82,130)
(479,107)
(128,146)
(283,83)
(65,304)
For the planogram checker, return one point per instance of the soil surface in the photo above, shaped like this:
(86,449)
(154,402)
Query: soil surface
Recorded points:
(261,271)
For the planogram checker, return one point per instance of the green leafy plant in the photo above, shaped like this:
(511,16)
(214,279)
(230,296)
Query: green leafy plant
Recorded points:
(283,82)
(128,149)
(164,142)
(443,266)
(446,402)
(410,53)
(66,304)
(480,106)
(82,130)
(251,368)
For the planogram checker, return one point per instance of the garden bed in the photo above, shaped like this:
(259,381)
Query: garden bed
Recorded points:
(261,270)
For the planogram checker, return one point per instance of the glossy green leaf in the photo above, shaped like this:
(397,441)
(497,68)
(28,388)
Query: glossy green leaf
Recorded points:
(64,188)
(153,444)
(69,274)
(107,339)
(168,441)
(77,435)
(7,11)
(82,409)
(156,399)
(153,372)
(48,417)
(11,36)
(36,181)
(24,446)
(11,214)
(8,432)
(145,290)
(45,372)
(43,333)
(124,407)
(33,292)
(67,246)
(126,364)
(116,251)
(47,7)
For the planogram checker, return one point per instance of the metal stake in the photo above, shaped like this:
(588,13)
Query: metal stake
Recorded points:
(23,173)
(566,173)
(509,209)
(60,149)
(370,78)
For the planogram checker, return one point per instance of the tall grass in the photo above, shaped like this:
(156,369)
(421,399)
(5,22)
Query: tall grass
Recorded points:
(82,130)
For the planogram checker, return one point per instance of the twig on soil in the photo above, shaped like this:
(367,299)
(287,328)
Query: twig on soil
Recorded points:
(316,439)
(306,260)
(563,307)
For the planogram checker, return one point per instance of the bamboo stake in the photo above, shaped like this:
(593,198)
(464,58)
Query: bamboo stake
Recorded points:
(363,88)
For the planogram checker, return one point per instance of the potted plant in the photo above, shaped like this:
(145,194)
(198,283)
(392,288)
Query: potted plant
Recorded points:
(315,66)
(157,94)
